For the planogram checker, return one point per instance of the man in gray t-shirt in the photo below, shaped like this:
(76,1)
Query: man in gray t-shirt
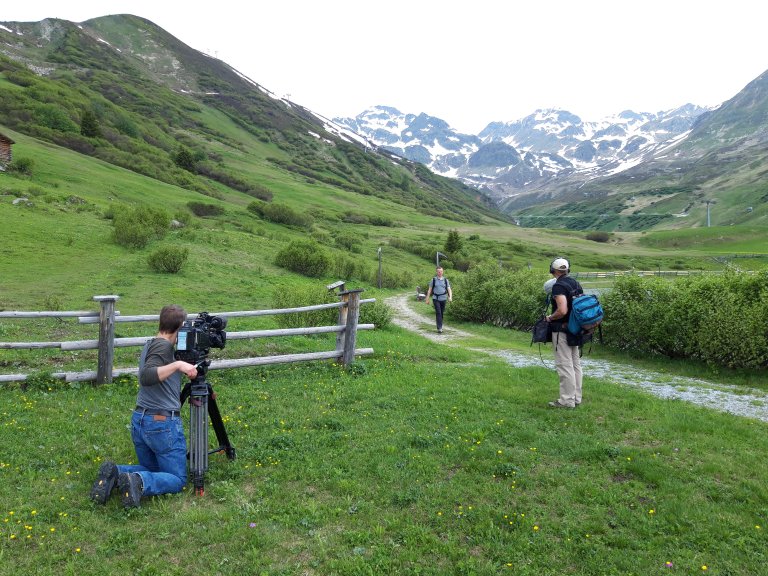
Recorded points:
(440,291)
(156,428)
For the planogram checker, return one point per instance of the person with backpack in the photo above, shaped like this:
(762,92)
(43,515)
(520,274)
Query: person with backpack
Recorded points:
(440,293)
(565,344)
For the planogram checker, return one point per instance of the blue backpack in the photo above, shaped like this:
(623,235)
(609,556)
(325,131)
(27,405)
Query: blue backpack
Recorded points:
(586,314)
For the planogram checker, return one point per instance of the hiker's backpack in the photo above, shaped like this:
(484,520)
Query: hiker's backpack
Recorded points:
(586,314)
(447,286)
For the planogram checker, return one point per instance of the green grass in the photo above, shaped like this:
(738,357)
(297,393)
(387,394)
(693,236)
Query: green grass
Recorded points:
(424,459)
(718,239)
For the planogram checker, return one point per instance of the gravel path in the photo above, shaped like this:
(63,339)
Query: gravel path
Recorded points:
(732,399)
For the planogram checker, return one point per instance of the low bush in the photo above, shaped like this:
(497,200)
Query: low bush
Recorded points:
(135,227)
(280,214)
(202,209)
(717,319)
(347,268)
(492,295)
(598,236)
(393,278)
(22,165)
(376,313)
(304,257)
(426,251)
(305,296)
(348,241)
(168,260)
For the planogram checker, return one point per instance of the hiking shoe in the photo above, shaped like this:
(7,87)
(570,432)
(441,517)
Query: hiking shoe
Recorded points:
(131,487)
(556,404)
(105,483)
(439,330)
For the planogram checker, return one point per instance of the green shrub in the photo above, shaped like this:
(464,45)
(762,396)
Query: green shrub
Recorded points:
(23,78)
(598,236)
(426,251)
(716,319)
(392,278)
(22,165)
(135,227)
(168,260)
(280,214)
(377,313)
(348,241)
(343,266)
(305,296)
(453,242)
(201,209)
(184,159)
(54,117)
(304,257)
(89,125)
(490,294)
(260,192)
(355,218)
(381,221)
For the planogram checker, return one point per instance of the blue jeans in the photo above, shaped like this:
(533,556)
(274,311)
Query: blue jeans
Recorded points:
(162,452)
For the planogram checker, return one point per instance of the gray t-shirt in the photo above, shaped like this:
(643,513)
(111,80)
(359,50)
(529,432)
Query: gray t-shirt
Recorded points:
(153,393)
(440,288)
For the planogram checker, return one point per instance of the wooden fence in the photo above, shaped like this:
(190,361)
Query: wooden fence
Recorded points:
(619,273)
(344,352)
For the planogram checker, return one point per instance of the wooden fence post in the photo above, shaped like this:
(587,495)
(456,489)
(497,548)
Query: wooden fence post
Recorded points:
(347,340)
(106,338)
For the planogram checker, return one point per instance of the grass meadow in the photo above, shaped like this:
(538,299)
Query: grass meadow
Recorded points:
(422,459)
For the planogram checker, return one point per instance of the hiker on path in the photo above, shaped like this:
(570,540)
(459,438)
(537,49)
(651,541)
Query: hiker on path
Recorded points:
(566,346)
(440,292)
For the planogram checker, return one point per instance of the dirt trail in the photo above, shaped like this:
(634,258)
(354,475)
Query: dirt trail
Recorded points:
(750,403)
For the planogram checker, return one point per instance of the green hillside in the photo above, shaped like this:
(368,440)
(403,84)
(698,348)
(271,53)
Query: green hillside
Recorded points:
(118,115)
(123,90)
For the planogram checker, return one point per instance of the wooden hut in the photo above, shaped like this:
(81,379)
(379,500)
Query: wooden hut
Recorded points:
(5,151)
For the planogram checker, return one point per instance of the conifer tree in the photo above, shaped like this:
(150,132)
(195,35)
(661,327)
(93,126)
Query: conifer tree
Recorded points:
(89,125)
(453,242)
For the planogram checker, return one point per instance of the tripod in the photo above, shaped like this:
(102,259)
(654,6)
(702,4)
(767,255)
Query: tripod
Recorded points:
(202,404)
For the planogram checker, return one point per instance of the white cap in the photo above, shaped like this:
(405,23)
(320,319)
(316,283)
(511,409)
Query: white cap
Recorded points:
(548,285)
(560,264)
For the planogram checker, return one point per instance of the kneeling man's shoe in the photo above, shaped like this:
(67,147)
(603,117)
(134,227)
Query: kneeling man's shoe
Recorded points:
(105,483)
(131,488)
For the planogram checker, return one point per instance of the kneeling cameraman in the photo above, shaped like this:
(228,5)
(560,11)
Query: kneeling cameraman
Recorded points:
(156,427)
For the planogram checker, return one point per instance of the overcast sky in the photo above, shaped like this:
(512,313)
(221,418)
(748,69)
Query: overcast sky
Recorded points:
(467,62)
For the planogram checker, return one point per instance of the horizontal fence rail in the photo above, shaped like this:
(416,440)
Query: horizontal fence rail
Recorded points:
(345,330)
(620,273)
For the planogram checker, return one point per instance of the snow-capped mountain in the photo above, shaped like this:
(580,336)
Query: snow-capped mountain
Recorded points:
(512,158)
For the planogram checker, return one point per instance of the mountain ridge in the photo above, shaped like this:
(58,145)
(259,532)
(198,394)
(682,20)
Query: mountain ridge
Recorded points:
(540,147)
(153,95)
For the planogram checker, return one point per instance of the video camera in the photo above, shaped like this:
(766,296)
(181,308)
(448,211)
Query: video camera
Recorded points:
(198,336)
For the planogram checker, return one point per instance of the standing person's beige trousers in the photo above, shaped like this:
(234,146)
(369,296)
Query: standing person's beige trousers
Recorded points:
(568,366)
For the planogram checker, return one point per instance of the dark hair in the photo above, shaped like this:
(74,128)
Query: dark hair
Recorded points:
(171,318)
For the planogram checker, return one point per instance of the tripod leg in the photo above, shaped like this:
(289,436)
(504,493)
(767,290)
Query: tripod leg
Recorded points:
(198,436)
(218,426)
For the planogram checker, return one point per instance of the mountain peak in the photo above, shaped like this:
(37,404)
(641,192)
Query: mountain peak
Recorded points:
(510,158)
